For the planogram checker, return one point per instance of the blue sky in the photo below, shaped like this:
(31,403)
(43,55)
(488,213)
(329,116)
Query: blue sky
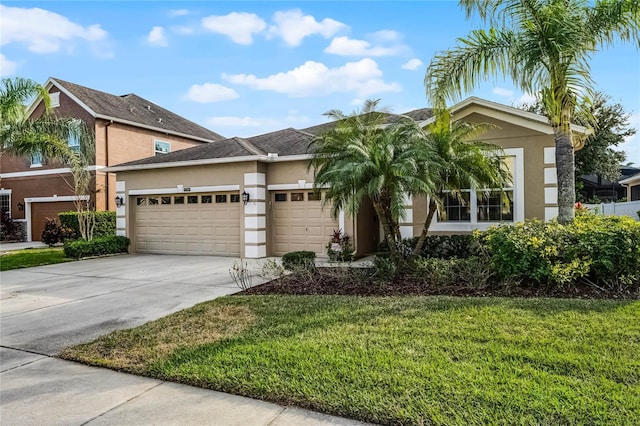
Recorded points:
(244,68)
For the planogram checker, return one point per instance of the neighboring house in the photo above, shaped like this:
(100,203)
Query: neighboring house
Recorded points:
(598,188)
(191,202)
(632,184)
(126,128)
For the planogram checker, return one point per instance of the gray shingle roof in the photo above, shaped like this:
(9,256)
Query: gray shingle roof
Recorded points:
(285,142)
(138,110)
(416,114)
(232,147)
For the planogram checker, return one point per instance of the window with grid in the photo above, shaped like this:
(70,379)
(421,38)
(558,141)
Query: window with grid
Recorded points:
(456,208)
(5,203)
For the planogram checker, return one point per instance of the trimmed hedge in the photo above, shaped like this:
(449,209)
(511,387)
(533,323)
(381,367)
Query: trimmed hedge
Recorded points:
(439,246)
(297,260)
(604,250)
(96,247)
(105,224)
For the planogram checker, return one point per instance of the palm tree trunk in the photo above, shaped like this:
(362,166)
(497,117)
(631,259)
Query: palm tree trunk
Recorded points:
(389,234)
(423,235)
(565,163)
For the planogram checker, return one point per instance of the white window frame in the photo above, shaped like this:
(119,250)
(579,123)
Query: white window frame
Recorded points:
(75,147)
(7,192)
(55,99)
(156,151)
(518,201)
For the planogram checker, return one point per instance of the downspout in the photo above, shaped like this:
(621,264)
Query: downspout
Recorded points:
(106,154)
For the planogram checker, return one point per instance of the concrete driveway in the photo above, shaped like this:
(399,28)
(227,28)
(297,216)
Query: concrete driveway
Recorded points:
(45,309)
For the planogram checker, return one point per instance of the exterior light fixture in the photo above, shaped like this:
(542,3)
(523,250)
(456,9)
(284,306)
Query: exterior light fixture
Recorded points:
(119,201)
(245,197)
(20,206)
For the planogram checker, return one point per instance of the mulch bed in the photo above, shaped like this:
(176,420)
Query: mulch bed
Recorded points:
(360,282)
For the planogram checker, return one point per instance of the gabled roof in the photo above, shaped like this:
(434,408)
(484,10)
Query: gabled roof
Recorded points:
(287,143)
(133,110)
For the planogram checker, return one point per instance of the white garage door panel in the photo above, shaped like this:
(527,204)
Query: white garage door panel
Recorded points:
(300,225)
(194,229)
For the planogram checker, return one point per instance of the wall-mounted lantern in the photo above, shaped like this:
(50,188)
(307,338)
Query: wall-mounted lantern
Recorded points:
(119,201)
(20,207)
(245,197)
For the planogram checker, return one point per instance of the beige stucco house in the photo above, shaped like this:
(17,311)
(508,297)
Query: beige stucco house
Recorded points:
(190,202)
(633,187)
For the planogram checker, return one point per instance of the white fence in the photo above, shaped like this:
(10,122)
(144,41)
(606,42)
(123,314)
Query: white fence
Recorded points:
(629,208)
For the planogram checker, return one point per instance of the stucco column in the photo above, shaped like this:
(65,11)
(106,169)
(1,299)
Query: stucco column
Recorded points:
(255,221)
(406,225)
(121,220)
(550,184)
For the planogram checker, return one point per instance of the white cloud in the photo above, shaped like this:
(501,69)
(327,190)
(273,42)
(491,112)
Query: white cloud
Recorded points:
(500,91)
(412,64)
(239,27)
(385,35)
(44,31)
(344,46)
(158,37)
(524,99)
(210,92)
(178,12)
(230,121)
(184,30)
(7,67)
(315,79)
(292,26)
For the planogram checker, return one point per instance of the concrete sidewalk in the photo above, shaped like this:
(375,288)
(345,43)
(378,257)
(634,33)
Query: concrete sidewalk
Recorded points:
(5,247)
(47,308)
(39,390)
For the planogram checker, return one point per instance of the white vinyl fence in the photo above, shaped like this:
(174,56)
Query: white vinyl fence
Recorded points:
(629,208)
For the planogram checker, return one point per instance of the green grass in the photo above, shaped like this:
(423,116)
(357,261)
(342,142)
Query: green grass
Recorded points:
(32,257)
(400,360)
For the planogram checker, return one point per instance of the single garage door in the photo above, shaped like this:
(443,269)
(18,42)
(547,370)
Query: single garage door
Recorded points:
(300,223)
(41,211)
(194,224)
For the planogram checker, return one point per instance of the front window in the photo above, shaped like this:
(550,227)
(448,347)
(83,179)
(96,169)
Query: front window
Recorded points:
(74,143)
(5,203)
(162,148)
(495,206)
(36,159)
(457,207)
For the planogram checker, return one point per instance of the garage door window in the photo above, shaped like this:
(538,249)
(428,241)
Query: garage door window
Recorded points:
(221,198)
(314,196)
(235,198)
(165,200)
(141,201)
(206,199)
(281,197)
(297,196)
(192,199)
(178,200)
(153,201)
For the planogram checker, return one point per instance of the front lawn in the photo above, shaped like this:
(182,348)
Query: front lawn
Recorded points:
(32,257)
(400,360)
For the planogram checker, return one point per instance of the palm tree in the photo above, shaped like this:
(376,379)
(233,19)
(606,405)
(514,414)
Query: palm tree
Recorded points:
(463,163)
(48,136)
(364,157)
(544,46)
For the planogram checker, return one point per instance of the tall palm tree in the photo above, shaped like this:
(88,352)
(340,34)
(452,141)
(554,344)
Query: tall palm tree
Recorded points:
(544,46)
(463,162)
(364,157)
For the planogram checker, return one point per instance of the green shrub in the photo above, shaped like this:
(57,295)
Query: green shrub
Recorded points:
(105,224)
(472,272)
(439,246)
(602,250)
(297,260)
(51,234)
(96,247)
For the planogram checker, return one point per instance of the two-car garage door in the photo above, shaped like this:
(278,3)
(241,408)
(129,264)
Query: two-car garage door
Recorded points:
(196,224)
